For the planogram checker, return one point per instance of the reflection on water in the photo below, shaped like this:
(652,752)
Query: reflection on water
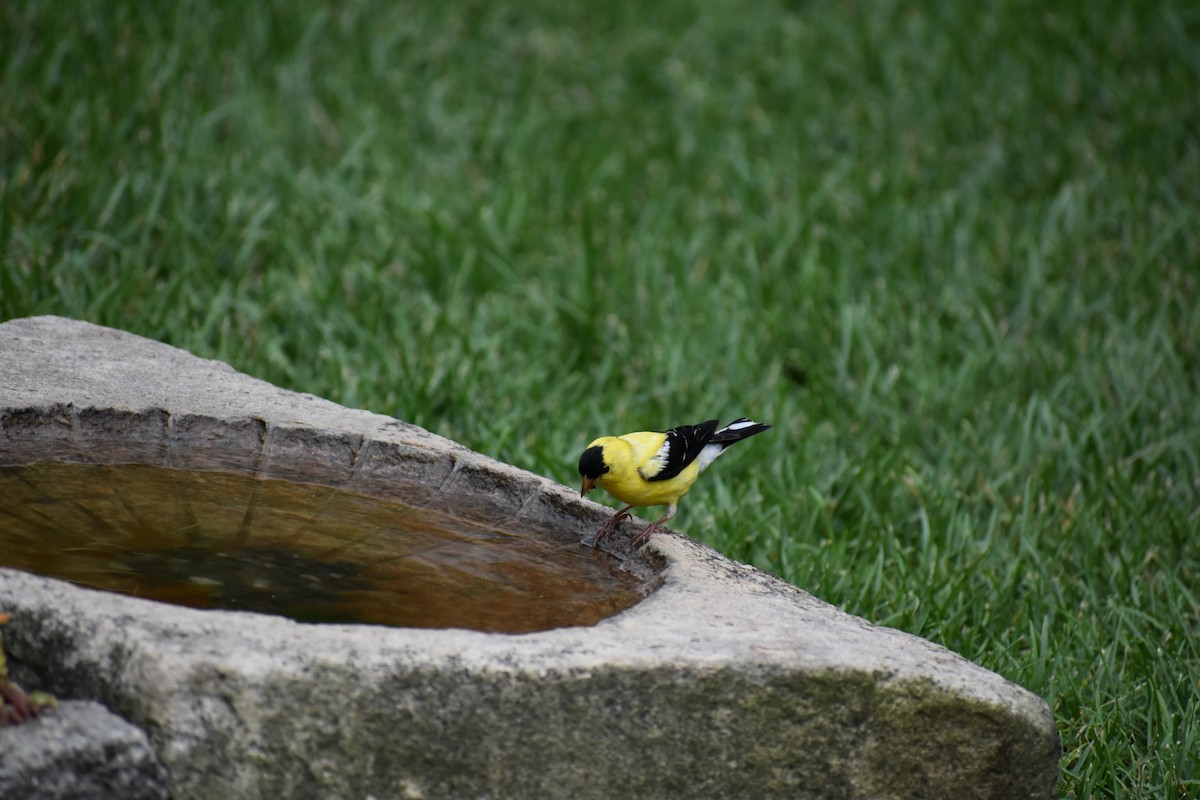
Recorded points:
(312,553)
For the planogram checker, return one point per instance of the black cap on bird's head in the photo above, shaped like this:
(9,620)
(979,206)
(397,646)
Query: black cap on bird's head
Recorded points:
(591,467)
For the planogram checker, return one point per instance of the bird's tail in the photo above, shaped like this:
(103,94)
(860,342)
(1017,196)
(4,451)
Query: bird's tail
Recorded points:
(734,432)
(737,430)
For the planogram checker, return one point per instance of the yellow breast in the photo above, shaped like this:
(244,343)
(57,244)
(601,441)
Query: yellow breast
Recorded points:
(624,455)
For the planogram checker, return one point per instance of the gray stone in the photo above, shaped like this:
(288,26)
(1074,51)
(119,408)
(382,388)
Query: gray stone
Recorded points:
(79,751)
(722,682)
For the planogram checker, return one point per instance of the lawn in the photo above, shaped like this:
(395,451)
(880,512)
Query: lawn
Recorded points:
(950,250)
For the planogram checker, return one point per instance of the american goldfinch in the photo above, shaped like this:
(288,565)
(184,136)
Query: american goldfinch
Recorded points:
(656,468)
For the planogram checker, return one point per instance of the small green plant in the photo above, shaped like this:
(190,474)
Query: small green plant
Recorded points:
(16,706)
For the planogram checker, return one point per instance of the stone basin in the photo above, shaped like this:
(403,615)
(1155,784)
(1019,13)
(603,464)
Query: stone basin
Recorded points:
(360,608)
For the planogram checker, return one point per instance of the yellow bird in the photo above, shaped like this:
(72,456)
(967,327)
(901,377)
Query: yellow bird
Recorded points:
(652,468)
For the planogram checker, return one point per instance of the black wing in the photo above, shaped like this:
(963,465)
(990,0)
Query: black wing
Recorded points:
(683,445)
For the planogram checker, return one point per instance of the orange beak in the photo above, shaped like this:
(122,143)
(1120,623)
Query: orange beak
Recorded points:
(588,483)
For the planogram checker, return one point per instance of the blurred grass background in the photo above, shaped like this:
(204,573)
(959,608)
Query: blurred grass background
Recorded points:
(950,250)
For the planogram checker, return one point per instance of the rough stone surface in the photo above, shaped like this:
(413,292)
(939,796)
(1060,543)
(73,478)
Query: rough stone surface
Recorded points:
(722,683)
(79,751)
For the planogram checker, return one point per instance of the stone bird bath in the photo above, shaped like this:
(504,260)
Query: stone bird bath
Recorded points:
(345,605)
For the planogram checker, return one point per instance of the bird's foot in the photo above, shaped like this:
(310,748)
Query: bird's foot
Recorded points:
(611,525)
(644,536)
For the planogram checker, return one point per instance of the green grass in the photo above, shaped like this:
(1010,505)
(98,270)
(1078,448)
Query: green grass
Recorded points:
(951,250)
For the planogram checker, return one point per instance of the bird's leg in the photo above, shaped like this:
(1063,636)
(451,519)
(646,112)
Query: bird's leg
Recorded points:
(611,525)
(644,536)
